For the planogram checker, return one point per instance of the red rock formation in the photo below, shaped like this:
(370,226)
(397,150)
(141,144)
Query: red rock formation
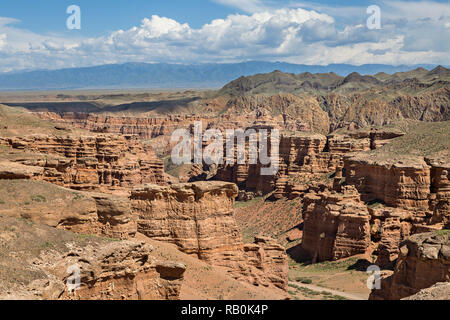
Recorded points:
(124,271)
(440,291)
(199,219)
(80,212)
(111,271)
(299,154)
(398,183)
(440,187)
(424,261)
(336,225)
(103,162)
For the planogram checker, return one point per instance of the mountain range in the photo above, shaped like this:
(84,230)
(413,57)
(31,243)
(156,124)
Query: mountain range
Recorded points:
(160,76)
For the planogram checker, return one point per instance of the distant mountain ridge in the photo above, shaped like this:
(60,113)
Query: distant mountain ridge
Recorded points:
(326,83)
(145,75)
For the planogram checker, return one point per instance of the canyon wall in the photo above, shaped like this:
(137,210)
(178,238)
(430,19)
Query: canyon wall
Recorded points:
(401,183)
(424,260)
(123,271)
(198,218)
(336,225)
(99,162)
(81,212)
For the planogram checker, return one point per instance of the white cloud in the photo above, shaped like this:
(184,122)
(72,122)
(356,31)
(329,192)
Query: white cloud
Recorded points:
(288,34)
(418,10)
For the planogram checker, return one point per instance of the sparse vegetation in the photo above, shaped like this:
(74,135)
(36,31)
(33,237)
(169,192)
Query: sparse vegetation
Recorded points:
(243,204)
(38,198)
(304,280)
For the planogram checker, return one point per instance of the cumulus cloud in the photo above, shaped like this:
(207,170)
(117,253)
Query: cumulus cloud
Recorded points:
(289,34)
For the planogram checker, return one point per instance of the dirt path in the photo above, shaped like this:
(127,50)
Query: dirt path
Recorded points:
(350,296)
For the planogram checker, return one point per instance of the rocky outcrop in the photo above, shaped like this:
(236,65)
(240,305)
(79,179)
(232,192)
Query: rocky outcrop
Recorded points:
(80,212)
(11,171)
(300,154)
(440,291)
(361,140)
(412,183)
(145,128)
(335,225)
(424,260)
(43,263)
(389,226)
(123,271)
(399,183)
(198,218)
(103,162)
(267,263)
(440,188)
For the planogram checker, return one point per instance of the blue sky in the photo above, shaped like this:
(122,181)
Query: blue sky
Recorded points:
(33,34)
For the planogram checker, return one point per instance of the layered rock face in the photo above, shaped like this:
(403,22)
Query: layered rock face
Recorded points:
(416,184)
(354,141)
(424,261)
(440,188)
(440,291)
(124,271)
(103,162)
(81,212)
(336,225)
(145,128)
(41,262)
(404,183)
(299,154)
(198,218)
(112,271)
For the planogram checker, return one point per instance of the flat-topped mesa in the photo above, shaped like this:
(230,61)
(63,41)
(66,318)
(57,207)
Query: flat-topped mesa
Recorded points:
(336,225)
(403,183)
(199,218)
(424,260)
(105,162)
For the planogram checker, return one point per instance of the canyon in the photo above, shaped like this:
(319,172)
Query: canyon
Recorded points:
(362,171)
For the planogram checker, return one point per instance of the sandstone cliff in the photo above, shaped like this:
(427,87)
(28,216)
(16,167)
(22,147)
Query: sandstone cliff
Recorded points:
(198,218)
(54,206)
(102,162)
(336,225)
(424,261)
(38,262)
